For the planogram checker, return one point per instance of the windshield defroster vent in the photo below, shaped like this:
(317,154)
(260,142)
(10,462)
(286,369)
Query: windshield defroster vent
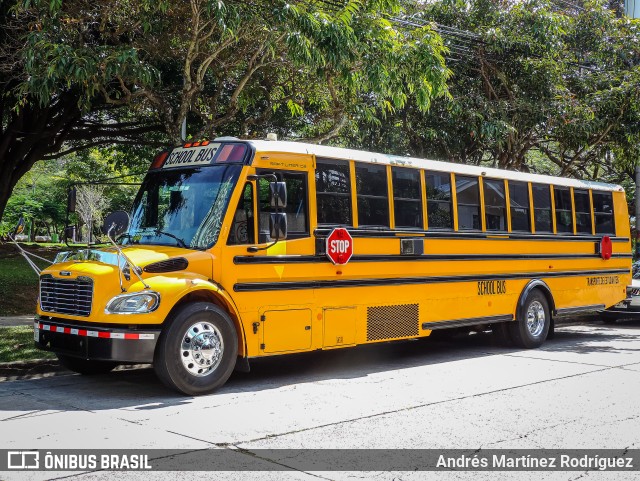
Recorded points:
(169,265)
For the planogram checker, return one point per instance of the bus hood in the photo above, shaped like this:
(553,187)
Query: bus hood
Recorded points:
(150,259)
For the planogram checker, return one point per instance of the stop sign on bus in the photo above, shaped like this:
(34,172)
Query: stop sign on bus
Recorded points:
(339,246)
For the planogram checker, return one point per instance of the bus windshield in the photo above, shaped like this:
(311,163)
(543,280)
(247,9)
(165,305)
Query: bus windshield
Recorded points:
(182,207)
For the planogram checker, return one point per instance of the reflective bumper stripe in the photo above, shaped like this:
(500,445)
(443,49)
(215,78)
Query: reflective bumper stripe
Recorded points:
(101,334)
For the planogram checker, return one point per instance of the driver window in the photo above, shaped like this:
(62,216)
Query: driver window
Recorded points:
(242,226)
(296,210)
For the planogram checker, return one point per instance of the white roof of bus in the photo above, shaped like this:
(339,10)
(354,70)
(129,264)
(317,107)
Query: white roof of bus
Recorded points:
(384,159)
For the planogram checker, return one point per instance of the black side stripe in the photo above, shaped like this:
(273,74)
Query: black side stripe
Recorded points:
(446,234)
(567,311)
(300,259)
(472,321)
(332,284)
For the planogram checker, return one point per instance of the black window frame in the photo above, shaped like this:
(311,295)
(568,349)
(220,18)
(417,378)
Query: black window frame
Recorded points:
(325,194)
(548,208)
(600,213)
(459,204)
(486,181)
(560,208)
(582,192)
(527,209)
(435,201)
(251,235)
(361,167)
(397,200)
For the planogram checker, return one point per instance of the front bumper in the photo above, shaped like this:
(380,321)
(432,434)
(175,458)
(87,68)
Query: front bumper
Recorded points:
(101,343)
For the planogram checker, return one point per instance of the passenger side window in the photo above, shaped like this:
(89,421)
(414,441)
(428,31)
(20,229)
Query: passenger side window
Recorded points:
(296,210)
(468,195)
(495,210)
(407,197)
(242,226)
(542,207)
(439,209)
(519,200)
(564,219)
(373,196)
(333,192)
(583,211)
(603,209)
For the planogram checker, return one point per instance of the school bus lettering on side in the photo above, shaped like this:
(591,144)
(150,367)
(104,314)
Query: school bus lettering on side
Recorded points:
(492,287)
(602,280)
(238,249)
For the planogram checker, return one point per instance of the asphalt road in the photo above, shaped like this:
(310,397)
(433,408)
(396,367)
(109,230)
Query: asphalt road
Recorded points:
(580,390)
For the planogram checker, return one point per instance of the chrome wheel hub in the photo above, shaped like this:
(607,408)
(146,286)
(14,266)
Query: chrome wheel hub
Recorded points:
(535,318)
(201,349)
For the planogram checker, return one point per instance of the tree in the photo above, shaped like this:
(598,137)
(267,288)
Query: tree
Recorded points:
(533,87)
(91,203)
(78,74)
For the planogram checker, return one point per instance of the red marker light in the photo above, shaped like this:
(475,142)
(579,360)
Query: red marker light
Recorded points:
(186,146)
(231,153)
(159,160)
(196,144)
(204,142)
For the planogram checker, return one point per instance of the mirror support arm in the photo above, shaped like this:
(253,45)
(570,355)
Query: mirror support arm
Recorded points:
(132,266)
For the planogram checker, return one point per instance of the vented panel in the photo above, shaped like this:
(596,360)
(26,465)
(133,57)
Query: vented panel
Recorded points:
(168,265)
(66,296)
(388,322)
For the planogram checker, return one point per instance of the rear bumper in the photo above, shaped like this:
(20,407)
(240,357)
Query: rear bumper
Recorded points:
(132,344)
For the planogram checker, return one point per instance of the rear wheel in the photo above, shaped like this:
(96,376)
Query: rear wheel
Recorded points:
(197,352)
(85,366)
(532,326)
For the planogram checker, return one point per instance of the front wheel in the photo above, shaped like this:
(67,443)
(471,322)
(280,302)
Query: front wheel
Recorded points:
(85,366)
(532,326)
(197,352)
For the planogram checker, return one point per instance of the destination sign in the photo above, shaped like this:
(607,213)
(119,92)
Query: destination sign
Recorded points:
(181,157)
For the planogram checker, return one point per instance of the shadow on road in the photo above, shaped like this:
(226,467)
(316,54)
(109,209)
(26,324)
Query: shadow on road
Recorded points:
(140,390)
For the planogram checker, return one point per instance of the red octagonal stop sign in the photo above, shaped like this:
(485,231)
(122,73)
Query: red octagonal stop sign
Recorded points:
(339,246)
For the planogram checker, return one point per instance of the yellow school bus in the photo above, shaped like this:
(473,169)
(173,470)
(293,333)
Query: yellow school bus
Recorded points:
(238,249)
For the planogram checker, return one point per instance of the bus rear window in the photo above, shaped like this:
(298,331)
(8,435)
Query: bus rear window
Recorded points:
(603,210)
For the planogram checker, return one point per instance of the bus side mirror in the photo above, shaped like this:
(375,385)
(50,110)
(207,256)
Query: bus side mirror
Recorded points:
(278,194)
(71,200)
(278,225)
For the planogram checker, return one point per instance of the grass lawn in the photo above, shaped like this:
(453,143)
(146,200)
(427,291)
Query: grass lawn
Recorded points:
(16,344)
(18,282)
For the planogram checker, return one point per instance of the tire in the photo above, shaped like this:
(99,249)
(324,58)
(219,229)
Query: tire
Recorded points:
(532,326)
(85,366)
(180,361)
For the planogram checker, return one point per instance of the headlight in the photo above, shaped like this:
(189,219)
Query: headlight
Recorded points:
(134,303)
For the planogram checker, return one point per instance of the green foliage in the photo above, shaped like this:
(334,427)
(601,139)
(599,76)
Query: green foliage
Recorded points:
(533,88)
(16,344)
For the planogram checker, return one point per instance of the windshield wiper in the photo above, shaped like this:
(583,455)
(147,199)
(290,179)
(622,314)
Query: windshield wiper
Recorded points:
(181,242)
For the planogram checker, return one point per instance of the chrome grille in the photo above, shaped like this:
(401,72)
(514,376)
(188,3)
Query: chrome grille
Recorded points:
(66,296)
